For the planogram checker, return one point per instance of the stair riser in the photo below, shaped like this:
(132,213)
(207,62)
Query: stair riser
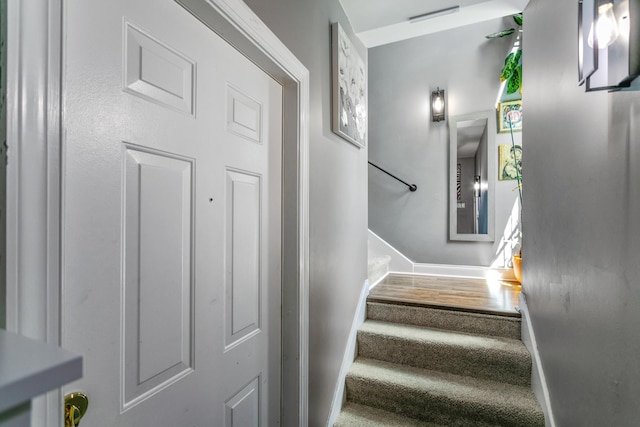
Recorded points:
(499,326)
(443,410)
(496,365)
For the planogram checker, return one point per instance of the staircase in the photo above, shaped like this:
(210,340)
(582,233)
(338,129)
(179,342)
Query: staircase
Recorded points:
(421,366)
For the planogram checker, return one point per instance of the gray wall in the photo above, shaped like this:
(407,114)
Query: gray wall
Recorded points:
(3,162)
(403,140)
(581,227)
(338,196)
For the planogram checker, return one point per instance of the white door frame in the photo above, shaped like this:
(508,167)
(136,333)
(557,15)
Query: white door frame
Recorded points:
(35,122)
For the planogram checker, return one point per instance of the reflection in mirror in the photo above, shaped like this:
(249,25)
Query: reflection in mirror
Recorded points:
(472,171)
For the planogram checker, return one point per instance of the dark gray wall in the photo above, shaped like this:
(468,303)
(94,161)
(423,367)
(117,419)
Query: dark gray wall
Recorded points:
(338,195)
(581,227)
(403,140)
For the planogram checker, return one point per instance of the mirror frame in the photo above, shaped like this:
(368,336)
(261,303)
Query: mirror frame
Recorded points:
(490,116)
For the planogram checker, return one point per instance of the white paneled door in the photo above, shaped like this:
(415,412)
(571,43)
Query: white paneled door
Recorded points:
(171,220)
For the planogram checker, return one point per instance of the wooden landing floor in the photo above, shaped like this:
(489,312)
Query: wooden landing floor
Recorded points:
(475,295)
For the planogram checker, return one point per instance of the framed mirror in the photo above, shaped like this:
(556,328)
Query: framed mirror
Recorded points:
(472,175)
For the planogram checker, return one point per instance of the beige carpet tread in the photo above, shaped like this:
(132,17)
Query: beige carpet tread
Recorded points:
(497,358)
(473,323)
(441,397)
(354,415)
(431,335)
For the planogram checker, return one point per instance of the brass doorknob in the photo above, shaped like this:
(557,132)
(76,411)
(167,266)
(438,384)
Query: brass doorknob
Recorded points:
(75,406)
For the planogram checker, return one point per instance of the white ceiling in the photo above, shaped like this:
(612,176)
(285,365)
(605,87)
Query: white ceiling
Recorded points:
(378,22)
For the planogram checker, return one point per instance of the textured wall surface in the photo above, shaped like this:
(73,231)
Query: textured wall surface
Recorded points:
(338,195)
(403,140)
(581,227)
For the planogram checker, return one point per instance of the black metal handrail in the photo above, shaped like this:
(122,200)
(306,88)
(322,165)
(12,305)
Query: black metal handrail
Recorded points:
(412,187)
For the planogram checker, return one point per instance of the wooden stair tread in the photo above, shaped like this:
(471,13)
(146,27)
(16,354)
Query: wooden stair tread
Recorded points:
(449,293)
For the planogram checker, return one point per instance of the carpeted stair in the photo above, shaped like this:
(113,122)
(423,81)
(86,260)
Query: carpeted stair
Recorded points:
(420,366)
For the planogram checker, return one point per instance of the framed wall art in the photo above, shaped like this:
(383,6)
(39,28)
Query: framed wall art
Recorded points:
(349,89)
(510,111)
(509,161)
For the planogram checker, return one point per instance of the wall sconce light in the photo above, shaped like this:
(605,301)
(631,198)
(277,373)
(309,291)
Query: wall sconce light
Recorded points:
(437,105)
(608,44)
(605,28)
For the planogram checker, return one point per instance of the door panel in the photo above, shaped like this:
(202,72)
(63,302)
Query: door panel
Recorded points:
(242,309)
(243,409)
(157,263)
(244,115)
(171,231)
(156,72)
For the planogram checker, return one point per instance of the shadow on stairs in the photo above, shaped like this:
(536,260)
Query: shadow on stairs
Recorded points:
(426,366)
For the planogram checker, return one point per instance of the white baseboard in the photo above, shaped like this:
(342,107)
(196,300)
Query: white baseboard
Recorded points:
(403,265)
(398,262)
(470,271)
(350,354)
(538,380)
(378,281)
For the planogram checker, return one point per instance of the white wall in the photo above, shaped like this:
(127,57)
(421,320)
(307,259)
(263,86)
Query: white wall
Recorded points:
(404,141)
(581,216)
(338,196)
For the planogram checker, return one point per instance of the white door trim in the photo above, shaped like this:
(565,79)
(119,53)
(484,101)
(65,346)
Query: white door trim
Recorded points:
(34,126)
(33,178)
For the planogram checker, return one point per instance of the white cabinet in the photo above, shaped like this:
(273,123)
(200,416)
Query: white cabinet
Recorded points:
(29,368)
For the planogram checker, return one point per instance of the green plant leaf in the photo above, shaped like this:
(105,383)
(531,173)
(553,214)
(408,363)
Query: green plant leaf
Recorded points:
(518,18)
(520,79)
(514,83)
(499,34)
(510,64)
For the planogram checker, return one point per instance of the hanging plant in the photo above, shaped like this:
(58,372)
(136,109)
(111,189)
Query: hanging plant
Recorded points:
(504,33)
(511,63)
(512,70)
(500,34)
(518,18)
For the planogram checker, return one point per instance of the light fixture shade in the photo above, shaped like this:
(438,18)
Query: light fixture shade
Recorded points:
(608,44)
(605,28)
(438,105)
